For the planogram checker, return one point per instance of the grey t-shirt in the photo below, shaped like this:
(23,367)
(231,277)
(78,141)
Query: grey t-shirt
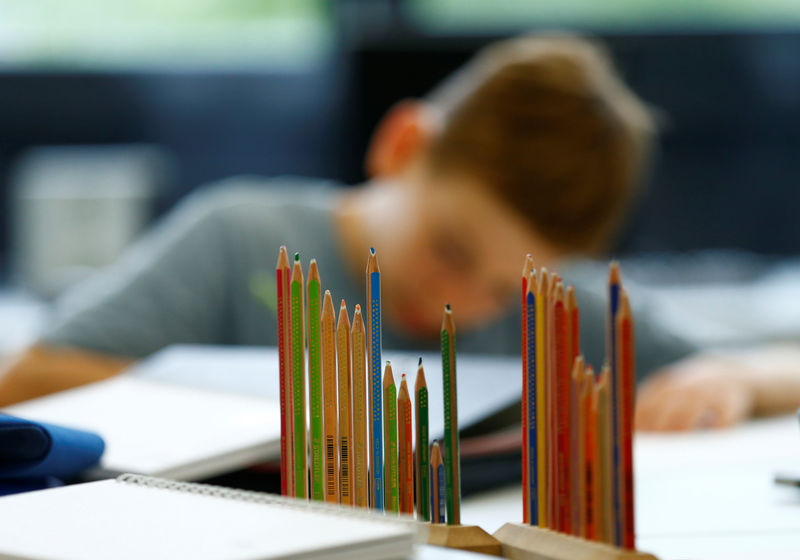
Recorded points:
(206,274)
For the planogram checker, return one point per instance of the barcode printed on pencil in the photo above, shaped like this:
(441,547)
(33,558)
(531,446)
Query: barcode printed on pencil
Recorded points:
(345,469)
(330,464)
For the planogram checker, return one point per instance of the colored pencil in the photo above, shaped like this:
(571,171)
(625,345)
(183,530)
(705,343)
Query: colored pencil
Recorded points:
(344,368)
(422,456)
(298,339)
(573,338)
(282,272)
(576,440)
(451,453)
(531,466)
(542,387)
(390,475)
(314,298)
(592,496)
(562,379)
(604,507)
(405,460)
(584,416)
(526,498)
(614,283)
(373,283)
(552,425)
(330,411)
(438,490)
(627,376)
(360,411)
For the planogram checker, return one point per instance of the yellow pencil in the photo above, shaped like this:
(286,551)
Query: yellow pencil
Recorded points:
(361,486)
(329,398)
(344,363)
(605,511)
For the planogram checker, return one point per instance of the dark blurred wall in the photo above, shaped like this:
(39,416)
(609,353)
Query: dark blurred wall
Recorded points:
(726,171)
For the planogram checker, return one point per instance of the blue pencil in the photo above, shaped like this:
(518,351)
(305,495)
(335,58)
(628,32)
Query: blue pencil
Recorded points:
(614,282)
(374,358)
(533,451)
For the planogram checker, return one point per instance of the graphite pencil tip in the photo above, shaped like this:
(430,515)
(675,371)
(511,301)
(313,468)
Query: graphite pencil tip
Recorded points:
(420,361)
(447,306)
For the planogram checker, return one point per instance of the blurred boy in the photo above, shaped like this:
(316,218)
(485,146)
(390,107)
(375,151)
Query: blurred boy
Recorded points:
(536,146)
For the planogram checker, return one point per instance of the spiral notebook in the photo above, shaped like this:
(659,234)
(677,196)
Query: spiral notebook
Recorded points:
(136,517)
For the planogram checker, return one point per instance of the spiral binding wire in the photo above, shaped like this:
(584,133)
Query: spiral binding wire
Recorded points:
(263,498)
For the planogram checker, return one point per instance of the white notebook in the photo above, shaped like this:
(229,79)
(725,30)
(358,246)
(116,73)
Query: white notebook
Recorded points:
(136,517)
(192,412)
(163,429)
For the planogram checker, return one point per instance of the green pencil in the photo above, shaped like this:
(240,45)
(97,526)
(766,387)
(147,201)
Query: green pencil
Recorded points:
(390,475)
(422,458)
(296,290)
(315,381)
(451,454)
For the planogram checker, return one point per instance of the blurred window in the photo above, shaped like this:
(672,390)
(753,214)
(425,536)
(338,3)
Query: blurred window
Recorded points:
(484,15)
(163,33)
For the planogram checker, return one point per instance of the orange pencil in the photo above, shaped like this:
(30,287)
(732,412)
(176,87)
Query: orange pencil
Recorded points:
(604,505)
(405,460)
(526,489)
(552,407)
(437,485)
(329,398)
(345,364)
(542,399)
(282,272)
(627,376)
(563,368)
(361,478)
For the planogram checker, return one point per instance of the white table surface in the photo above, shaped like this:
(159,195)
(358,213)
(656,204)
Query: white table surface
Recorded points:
(700,495)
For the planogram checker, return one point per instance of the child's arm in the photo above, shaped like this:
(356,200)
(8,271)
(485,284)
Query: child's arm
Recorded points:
(42,370)
(713,390)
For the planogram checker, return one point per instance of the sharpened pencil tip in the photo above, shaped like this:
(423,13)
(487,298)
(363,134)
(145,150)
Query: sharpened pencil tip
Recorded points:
(358,307)
(297,256)
(420,361)
(343,304)
(327,292)
(372,250)
(447,306)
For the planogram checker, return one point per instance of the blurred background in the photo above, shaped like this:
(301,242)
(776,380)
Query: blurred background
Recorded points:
(111,112)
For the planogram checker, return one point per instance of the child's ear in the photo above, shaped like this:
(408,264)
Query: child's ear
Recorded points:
(400,137)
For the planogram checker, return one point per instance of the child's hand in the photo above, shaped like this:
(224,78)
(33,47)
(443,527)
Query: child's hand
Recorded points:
(699,392)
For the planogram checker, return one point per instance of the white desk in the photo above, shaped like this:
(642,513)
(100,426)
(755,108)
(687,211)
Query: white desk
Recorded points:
(701,495)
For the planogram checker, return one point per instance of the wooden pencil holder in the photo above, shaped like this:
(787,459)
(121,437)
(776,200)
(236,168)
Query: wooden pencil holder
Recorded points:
(526,542)
(463,537)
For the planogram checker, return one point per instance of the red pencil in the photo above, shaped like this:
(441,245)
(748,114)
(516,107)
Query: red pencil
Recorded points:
(626,367)
(282,273)
(562,378)
(574,343)
(526,490)
(405,452)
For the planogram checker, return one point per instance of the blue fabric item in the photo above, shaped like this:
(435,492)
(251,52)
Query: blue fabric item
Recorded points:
(35,450)
(18,486)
